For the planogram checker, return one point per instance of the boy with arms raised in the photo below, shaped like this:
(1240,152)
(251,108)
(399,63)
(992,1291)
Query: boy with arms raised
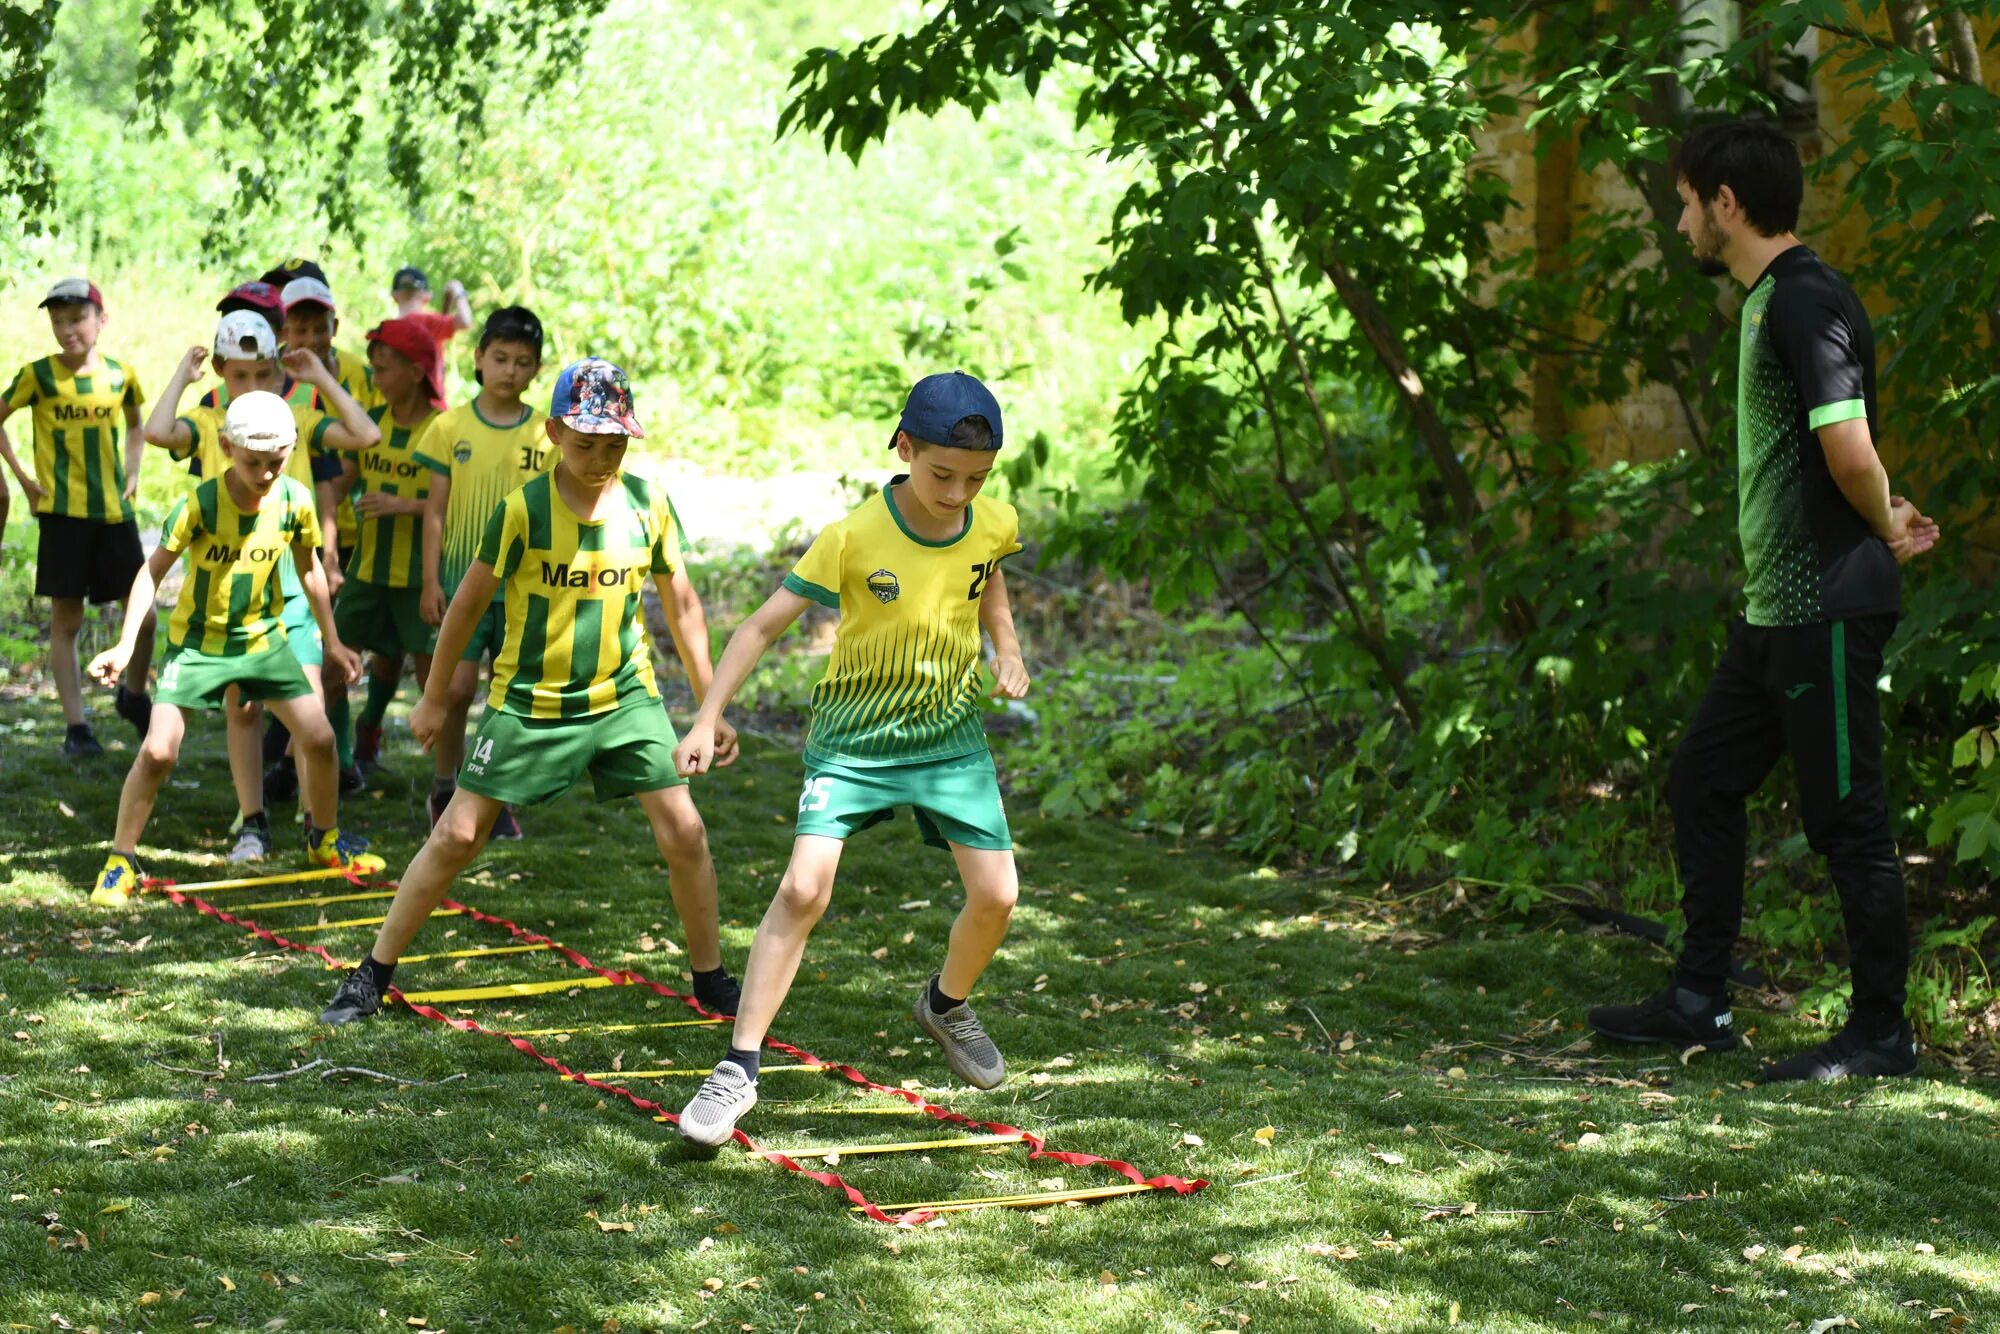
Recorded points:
(573,687)
(380,607)
(915,576)
(85,405)
(228,632)
(478,454)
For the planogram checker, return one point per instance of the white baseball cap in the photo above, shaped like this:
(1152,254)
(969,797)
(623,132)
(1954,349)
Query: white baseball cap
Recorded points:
(306,292)
(238,327)
(261,422)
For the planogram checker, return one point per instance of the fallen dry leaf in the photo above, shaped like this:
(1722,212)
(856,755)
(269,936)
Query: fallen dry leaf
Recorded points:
(1191,1140)
(606,1226)
(228,1284)
(1266,1135)
(1390,1157)
(1222,1260)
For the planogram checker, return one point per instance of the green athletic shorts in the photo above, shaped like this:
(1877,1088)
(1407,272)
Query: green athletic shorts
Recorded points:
(955,800)
(302,632)
(382,620)
(488,635)
(193,680)
(526,761)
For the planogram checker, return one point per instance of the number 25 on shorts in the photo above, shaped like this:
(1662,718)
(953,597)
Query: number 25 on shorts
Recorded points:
(818,792)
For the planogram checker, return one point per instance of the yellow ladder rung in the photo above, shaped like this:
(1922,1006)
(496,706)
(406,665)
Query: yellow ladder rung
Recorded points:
(506,990)
(250,882)
(608,1075)
(613,1028)
(1014,1201)
(307,903)
(834,1111)
(862,1150)
(467,954)
(359,921)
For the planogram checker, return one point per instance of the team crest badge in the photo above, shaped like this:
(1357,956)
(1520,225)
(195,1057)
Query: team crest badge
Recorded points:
(462,452)
(883,585)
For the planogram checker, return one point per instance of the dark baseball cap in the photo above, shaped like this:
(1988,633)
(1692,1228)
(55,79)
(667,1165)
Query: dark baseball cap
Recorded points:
(410,278)
(259,297)
(281,275)
(939,402)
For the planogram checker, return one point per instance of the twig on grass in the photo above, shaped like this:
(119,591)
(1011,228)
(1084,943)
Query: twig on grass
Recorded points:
(221,1066)
(1150,949)
(1332,1047)
(333,1070)
(275,1076)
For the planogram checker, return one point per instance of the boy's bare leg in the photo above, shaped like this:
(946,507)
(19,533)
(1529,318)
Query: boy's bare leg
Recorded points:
(157,755)
(683,841)
(455,840)
(243,724)
(781,937)
(142,650)
(65,620)
(312,746)
(991,886)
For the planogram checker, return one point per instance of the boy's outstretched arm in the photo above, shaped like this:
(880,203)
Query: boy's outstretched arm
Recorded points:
(108,667)
(689,624)
(698,749)
(461,618)
(996,617)
(162,427)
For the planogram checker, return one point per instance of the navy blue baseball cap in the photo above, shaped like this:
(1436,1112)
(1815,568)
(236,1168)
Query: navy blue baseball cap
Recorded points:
(939,402)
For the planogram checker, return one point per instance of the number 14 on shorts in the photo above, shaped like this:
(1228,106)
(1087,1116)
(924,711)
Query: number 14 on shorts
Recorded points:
(481,756)
(816,794)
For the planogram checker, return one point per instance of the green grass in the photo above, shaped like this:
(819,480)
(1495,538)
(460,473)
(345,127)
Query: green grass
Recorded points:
(1148,994)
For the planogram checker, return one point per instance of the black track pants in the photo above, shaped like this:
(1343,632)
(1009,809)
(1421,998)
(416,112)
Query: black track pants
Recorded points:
(1808,690)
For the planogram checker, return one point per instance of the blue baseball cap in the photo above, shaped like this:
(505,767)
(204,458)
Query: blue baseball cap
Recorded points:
(594,397)
(939,402)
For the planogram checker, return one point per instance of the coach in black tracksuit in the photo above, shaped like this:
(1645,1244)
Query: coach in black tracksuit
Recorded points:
(1822,540)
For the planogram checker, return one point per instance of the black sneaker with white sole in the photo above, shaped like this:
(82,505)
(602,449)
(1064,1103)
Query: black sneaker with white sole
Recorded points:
(1675,1016)
(1849,1054)
(357,998)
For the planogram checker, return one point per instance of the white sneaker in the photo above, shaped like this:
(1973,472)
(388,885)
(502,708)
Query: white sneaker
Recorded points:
(711,1114)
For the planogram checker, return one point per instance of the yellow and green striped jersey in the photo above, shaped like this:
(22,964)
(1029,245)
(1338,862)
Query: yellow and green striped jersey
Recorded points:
(351,372)
(484,462)
(388,551)
(230,602)
(79,435)
(576,638)
(902,686)
(204,452)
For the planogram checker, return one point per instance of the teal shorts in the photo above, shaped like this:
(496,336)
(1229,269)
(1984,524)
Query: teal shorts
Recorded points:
(381,619)
(955,800)
(190,679)
(527,761)
(302,631)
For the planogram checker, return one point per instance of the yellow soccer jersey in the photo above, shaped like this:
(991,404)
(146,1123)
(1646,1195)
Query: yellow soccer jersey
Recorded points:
(351,372)
(576,642)
(204,423)
(388,551)
(79,435)
(230,601)
(902,686)
(485,463)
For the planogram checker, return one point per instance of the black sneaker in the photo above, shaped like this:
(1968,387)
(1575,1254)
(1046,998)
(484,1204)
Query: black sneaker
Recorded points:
(136,709)
(80,742)
(506,826)
(357,998)
(720,995)
(351,782)
(281,781)
(1849,1055)
(1673,1015)
(440,798)
(368,749)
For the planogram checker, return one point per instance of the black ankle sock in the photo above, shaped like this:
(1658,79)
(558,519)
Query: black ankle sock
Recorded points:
(443,786)
(378,973)
(747,1061)
(258,819)
(706,978)
(941,1002)
(77,730)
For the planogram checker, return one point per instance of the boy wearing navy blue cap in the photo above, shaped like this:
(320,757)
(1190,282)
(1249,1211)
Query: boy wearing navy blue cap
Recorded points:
(915,576)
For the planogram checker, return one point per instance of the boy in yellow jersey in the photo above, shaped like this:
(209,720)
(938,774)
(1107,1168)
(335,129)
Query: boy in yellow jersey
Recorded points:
(915,576)
(573,689)
(85,405)
(478,453)
(247,360)
(380,607)
(228,630)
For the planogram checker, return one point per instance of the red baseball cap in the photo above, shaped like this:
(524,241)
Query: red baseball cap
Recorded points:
(406,334)
(73,292)
(259,297)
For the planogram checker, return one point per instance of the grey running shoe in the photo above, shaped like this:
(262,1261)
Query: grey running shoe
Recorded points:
(712,1113)
(253,843)
(970,1053)
(357,998)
